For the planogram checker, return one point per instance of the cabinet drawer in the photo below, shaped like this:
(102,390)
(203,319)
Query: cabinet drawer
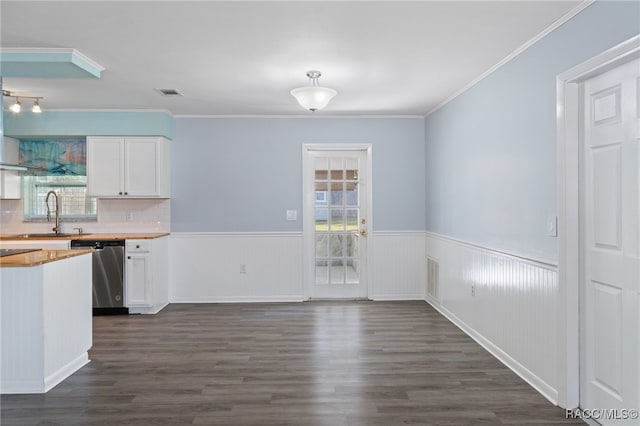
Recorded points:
(138,246)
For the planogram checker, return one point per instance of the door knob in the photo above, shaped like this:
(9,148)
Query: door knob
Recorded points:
(363,232)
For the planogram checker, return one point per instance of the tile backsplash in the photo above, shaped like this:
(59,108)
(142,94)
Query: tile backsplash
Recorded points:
(114,215)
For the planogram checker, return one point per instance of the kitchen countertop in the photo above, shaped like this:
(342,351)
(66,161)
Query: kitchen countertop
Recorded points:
(40,257)
(103,236)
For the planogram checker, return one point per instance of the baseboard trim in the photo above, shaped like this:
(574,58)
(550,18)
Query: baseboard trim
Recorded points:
(148,311)
(396,297)
(65,371)
(236,299)
(538,384)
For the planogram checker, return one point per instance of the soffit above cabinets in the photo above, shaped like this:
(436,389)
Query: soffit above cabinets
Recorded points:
(47,63)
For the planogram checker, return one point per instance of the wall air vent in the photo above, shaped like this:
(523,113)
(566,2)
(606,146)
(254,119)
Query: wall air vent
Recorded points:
(433,278)
(169,92)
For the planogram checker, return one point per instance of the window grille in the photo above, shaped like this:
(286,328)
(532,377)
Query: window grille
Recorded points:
(72,193)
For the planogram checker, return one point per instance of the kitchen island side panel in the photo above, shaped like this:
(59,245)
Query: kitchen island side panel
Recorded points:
(67,316)
(46,323)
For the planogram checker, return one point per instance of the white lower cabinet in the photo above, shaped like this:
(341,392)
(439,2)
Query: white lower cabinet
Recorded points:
(146,280)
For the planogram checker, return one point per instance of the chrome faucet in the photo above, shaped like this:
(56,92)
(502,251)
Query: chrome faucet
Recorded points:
(56,228)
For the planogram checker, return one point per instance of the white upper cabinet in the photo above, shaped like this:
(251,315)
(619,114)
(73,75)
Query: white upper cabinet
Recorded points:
(128,167)
(9,180)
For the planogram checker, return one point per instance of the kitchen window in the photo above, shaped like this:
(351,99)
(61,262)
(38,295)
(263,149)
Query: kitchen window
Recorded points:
(58,165)
(72,193)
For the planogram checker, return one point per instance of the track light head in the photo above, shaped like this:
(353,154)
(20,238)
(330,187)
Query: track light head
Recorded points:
(17,107)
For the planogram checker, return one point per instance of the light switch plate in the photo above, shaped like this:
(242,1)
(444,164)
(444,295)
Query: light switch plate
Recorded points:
(292,215)
(552,226)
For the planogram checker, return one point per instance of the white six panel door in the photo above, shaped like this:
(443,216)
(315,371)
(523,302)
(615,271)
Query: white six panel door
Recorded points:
(610,227)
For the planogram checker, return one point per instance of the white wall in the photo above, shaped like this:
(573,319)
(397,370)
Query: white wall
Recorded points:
(205,267)
(513,313)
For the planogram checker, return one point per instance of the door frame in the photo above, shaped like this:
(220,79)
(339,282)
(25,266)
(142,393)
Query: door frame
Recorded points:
(569,137)
(308,215)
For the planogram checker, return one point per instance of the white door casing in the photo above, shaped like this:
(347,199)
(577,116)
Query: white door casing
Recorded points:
(610,224)
(569,170)
(336,221)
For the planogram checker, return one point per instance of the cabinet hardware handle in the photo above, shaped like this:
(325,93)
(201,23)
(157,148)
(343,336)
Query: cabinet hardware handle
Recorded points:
(137,246)
(126,193)
(128,257)
(119,193)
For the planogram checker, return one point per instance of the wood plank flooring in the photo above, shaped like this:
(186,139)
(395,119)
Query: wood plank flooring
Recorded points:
(314,363)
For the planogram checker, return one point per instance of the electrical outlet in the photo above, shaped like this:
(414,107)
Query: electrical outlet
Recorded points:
(292,215)
(243,268)
(473,290)
(129,216)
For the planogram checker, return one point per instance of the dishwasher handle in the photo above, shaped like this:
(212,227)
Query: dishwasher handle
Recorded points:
(96,245)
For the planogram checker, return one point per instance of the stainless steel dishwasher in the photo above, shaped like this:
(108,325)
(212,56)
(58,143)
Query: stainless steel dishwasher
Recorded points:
(108,275)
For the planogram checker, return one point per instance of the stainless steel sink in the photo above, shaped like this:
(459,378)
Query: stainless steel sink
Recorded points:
(46,235)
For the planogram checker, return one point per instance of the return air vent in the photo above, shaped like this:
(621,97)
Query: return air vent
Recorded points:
(169,92)
(433,278)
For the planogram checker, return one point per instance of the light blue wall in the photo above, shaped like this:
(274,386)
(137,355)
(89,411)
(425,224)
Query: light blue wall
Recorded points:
(242,174)
(491,153)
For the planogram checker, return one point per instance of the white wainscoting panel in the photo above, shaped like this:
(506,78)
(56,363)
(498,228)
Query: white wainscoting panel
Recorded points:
(398,265)
(206,267)
(508,304)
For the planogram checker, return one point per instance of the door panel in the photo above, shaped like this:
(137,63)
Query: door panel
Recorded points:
(338,223)
(610,225)
(606,196)
(607,315)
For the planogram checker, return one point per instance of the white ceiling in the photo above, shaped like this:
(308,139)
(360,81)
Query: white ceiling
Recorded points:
(243,58)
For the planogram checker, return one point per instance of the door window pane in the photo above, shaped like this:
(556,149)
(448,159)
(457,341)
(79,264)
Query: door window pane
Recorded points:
(337,242)
(353,271)
(337,271)
(337,220)
(353,247)
(322,272)
(322,245)
(352,219)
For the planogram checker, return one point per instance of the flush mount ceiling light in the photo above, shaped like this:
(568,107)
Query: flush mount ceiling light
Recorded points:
(17,106)
(313,97)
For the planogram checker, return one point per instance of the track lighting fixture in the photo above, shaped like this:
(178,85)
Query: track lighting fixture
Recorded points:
(17,106)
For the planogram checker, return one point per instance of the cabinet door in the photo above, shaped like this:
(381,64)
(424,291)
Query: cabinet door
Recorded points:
(141,167)
(138,280)
(9,185)
(9,180)
(105,172)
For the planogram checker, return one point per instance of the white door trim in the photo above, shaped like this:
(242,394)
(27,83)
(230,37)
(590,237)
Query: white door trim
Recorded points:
(308,215)
(568,144)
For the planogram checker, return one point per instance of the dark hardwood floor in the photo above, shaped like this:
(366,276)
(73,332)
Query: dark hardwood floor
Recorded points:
(315,363)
